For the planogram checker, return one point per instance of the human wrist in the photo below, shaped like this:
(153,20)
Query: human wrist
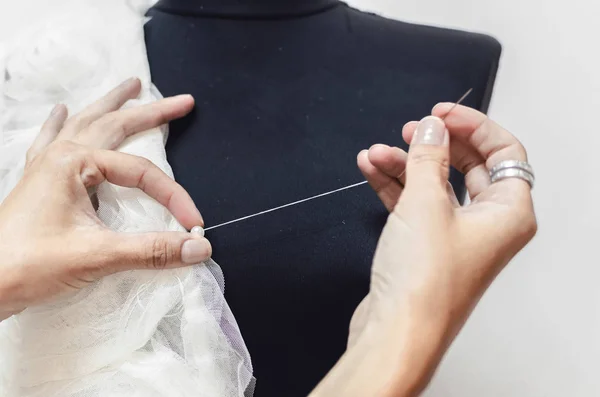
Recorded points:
(415,341)
(4,311)
(395,355)
(7,308)
(5,315)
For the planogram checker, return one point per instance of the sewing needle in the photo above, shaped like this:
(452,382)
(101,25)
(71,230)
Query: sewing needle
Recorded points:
(462,98)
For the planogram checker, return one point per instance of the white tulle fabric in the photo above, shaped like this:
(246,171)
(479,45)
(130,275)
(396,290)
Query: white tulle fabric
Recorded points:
(139,333)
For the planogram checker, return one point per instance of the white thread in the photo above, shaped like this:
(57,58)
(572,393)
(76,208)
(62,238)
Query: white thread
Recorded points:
(287,205)
(465,95)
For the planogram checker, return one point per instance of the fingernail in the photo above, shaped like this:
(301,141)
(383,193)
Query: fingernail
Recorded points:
(129,81)
(362,153)
(183,97)
(195,251)
(379,145)
(199,215)
(430,131)
(54,110)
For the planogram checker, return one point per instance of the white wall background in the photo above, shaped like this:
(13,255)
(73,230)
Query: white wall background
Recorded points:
(537,331)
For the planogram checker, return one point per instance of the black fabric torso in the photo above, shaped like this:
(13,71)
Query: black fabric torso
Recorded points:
(287,93)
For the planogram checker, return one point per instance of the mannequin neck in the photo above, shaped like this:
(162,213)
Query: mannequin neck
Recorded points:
(246,8)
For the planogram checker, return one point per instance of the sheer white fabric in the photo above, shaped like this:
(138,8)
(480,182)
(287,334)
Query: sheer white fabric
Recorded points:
(139,333)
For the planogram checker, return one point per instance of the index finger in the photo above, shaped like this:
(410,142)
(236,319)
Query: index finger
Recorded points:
(136,172)
(492,142)
(112,101)
(110,130)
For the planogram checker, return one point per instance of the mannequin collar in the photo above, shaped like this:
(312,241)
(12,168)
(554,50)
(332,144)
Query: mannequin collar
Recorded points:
(245,8)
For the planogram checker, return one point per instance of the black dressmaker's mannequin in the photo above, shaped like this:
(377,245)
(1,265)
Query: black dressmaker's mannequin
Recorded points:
(288,92)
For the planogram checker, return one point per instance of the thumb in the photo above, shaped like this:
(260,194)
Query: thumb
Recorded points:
(427,166)
(162,250)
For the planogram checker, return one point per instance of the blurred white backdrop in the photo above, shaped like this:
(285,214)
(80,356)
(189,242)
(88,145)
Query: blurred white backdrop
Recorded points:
(537,331)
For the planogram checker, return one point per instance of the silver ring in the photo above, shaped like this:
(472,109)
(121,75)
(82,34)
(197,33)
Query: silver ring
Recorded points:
(506,173)
(521,165)
(513,169)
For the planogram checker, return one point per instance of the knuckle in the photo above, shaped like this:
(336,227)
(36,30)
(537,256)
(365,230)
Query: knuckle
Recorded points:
(74,123)
(114,139)
(144,166)
(420,157)
(63,146)
(144,163)
(466,162)
(527,225)
(436,161)
(65,155)
(530,226)
(520,151)
(159,254)
(161,117)
(64,152)
(29,155)
(111,124)
(91,176)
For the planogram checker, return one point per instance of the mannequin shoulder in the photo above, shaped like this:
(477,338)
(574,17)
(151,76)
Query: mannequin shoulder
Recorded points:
(401,35)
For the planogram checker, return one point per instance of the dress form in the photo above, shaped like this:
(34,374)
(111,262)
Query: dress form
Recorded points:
(287,93)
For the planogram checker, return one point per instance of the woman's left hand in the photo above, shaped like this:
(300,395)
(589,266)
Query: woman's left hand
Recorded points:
(435,259)
(51,240)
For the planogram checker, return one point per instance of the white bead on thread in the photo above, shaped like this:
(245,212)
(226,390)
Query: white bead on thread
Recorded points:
(198,230)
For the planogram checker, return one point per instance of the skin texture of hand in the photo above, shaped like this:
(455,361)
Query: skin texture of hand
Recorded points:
(51,241)
(435,259)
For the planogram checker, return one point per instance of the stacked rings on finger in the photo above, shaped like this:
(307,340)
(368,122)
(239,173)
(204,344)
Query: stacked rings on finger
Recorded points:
(513,169)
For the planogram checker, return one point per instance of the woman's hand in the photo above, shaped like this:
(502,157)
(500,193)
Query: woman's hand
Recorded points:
(435,255)
(51,240)
(435,259)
